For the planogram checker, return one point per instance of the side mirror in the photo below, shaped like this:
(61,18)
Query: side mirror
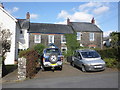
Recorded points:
(79,57)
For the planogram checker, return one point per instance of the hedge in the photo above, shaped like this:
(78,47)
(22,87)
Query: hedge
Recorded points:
(108,53)
(110,56)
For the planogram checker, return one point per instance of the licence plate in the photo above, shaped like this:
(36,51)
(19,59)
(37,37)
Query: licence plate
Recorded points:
(98,66)
(53,64)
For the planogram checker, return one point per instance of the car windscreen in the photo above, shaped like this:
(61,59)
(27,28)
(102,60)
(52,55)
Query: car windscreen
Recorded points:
(52,50)
(90,54)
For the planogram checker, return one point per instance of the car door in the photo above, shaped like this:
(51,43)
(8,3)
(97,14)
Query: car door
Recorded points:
(78,60)
(75,58)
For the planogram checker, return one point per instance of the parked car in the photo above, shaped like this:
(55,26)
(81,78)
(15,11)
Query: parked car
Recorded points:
(51,58)
(88,60)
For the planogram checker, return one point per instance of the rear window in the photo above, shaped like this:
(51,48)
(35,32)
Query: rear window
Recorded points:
(53,50)
(90,54)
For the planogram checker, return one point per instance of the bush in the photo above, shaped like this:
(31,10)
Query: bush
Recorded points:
(71,43)
(108,52)
(111,62)
(31,61)
(39,48)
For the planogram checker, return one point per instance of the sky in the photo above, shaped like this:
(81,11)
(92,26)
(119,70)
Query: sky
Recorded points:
(105,13)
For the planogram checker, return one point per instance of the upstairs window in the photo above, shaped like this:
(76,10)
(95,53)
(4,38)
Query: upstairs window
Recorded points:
(63,39)
(91,36)
(78,35)
(51,39)
(37,38)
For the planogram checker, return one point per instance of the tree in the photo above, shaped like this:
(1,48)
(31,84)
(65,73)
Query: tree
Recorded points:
(114,39)
(5,35)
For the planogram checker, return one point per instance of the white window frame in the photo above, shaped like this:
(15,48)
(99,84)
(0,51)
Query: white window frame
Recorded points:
(49,37)
(91,37)
(78,35)
(37,38)
(62,39)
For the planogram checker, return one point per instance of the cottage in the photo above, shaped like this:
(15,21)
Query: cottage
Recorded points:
(88,34)
(49,33)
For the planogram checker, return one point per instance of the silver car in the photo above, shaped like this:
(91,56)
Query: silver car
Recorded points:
(88,60)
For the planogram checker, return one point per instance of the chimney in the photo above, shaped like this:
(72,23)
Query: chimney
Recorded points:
(27,15)
(93,21)
(1,5)
(68,21)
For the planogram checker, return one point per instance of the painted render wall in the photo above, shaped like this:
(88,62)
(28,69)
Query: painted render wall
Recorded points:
(9,22)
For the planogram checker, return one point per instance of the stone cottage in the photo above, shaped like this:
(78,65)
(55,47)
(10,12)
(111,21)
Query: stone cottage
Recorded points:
(88,34)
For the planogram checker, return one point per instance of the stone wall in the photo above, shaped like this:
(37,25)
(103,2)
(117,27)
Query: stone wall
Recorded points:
(22,68)
(44,39)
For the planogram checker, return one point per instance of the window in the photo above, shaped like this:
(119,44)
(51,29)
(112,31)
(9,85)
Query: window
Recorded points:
(78,36)
(51,38)
(91,37)
(63,39)
(37,38)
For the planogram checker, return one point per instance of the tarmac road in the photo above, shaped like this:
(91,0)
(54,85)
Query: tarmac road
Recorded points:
(69,77)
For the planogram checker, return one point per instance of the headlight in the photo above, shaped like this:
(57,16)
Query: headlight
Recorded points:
(87,64)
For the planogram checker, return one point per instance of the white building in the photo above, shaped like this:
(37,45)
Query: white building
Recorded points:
(19,37)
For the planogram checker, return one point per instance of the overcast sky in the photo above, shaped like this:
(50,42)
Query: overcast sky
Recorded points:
(105,13)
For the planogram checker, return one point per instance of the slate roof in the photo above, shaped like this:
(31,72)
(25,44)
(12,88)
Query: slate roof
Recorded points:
(24,23)
(85,27)
(50,28)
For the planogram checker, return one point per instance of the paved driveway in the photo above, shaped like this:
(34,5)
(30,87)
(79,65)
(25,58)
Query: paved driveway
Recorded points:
(70,77)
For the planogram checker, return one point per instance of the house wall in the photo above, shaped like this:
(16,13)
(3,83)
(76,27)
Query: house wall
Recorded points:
(44,39)
(85,41)
(8,22)
(23,39)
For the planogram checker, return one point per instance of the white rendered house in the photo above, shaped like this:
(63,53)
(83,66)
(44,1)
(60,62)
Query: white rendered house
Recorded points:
(19,38)
(9,22)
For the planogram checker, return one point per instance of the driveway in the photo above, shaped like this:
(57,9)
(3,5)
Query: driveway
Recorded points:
(70,77)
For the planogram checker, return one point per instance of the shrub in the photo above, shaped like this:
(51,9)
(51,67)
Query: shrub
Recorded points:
(111,62)
(72,43)
(108,52)
(31,61)
(39,48)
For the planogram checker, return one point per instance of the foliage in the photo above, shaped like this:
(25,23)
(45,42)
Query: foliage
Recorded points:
(39,48)
(114,39)
(31,61)
(5,35)
(110,56)
(111,62)
(72,43)
(108,52)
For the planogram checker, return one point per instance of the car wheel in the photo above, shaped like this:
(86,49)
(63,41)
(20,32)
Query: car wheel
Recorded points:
(60,68)
(72,63)
(83,68)
(53,58)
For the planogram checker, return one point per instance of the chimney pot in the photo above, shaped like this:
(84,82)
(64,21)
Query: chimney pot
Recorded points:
(1,5)
(28,15)
(68,21)
(93,21)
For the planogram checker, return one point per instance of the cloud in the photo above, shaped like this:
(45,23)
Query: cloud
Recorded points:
(13,10)
(63,14)
(77,16)
(107,33)
(101,10)
(84,13)
(34,16)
